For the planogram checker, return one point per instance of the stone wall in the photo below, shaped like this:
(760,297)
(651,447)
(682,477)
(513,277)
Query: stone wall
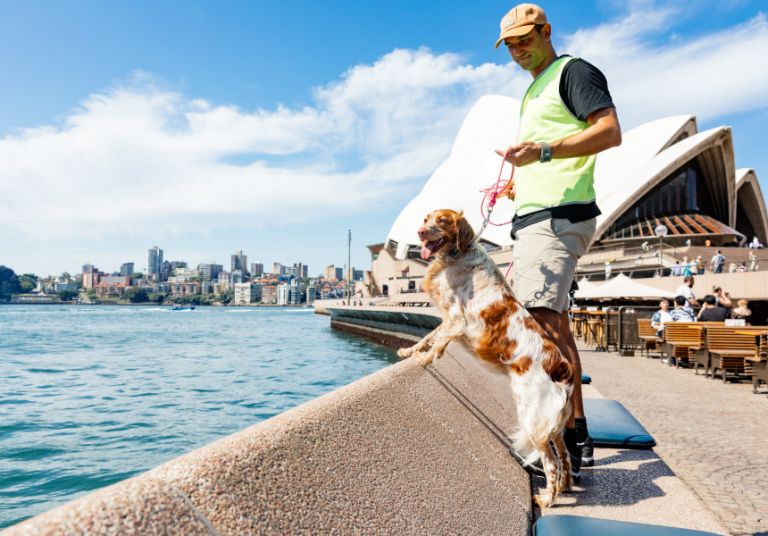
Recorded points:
(407,450)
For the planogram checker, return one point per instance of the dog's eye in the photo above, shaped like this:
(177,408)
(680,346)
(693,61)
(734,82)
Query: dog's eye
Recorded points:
(442,220)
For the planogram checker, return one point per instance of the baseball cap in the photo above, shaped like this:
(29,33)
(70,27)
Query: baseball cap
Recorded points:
(520,20)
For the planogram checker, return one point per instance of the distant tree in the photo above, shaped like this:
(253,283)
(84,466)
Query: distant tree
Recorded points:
(9,283)
(66,277)
(92,296)
(136,295)
(157,297)
(137,275)
(28,282)
(67,295)
(226,297)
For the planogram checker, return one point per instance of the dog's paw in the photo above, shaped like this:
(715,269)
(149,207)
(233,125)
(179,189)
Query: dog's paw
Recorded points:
(544,500)
(424,358)
(405,353)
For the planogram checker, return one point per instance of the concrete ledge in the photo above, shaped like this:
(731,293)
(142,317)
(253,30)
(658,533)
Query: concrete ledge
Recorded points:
(396,452)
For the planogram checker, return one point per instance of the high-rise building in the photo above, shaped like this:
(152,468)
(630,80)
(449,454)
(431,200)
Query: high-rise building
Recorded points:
(311,294)
(126,269)
(278,269)
(154,262)
(239,262)
(300,269)
(339,273)
(209,272)
(357,275)
(90,276)
(257,269)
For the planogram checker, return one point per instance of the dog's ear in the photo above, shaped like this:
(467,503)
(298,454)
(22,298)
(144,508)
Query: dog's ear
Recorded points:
(465,234)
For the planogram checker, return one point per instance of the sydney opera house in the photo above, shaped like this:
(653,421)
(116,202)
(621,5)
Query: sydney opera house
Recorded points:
(665,173)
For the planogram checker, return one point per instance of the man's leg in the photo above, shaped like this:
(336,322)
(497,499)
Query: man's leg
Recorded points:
(577,439)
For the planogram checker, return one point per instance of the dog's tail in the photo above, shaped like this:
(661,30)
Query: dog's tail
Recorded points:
(543,407)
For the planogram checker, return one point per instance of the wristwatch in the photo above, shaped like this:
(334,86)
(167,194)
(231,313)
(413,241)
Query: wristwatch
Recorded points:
(546,152)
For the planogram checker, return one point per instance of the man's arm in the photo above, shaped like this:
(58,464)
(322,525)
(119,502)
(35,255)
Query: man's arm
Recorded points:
(602,133)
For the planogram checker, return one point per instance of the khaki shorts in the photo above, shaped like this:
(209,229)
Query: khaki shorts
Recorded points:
(544,260)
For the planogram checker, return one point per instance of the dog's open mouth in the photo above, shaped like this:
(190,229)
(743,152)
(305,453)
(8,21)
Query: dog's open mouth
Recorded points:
(428,248)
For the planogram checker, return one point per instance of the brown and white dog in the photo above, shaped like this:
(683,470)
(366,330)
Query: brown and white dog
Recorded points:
(479,308)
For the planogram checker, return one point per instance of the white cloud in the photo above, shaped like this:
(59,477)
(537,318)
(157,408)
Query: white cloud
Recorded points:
(141,155)
(140,158)
(710,76)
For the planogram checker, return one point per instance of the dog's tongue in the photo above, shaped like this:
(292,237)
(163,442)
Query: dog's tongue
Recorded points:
(426,251)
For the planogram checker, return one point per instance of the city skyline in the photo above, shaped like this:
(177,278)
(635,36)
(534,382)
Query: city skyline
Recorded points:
(211,129)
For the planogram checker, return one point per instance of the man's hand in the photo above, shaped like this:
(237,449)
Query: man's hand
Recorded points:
(522,154)
(508,190)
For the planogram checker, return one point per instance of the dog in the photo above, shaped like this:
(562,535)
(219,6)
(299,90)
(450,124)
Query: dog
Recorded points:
(478,307)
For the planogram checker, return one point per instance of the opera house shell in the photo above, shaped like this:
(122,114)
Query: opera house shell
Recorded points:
(664,172)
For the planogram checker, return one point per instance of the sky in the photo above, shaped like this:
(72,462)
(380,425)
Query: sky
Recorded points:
(274,127)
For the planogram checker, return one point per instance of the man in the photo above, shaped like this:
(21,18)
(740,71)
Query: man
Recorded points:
(717,262)
(567,117)
(722,299)
(686,290)
(710,311)
(661,317)
(681,312)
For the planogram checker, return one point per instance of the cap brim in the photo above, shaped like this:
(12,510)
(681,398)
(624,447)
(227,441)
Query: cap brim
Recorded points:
(515,32)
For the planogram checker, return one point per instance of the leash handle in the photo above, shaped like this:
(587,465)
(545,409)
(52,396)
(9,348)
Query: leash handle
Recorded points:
(492,195)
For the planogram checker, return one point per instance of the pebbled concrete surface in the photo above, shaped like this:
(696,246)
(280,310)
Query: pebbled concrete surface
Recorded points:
(712,436)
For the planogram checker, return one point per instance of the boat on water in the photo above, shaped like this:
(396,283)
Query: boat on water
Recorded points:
(182,308)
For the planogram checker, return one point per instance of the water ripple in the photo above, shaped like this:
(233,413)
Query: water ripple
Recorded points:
(92,395)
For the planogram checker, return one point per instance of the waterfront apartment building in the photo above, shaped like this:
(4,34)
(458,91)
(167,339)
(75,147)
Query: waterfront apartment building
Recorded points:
(154,262)
(300,269)
(269,294)
(239,261)
(187,288)
(311,294)
(257,269)
(247,294)
(126,269)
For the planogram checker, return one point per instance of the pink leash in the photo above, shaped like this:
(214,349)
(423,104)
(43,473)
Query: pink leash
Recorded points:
(490,196)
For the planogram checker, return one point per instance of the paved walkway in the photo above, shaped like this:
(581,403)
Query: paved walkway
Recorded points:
(713,436)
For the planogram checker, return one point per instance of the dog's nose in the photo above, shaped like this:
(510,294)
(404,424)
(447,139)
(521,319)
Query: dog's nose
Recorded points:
(422,232)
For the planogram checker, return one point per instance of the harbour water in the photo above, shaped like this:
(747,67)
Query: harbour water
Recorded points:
(91,395)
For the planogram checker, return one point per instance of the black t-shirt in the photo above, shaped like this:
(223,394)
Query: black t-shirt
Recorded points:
(584,90)
(713,314)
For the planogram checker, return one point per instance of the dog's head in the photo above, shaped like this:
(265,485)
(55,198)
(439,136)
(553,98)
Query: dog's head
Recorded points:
(445,231)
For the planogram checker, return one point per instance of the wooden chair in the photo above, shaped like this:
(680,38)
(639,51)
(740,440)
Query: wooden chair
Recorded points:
(730,346)
(757,365)
(648,335)
(682,338)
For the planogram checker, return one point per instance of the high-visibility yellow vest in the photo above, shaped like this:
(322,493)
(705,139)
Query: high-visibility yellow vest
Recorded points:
(544,117)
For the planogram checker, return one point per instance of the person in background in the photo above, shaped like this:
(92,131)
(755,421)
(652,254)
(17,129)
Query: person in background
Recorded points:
(686,290)
(753,261)
(732,268)
(742,267)
(755,244)
(607,270)
(710,311)
(677,270)
(686,267)
(742,311)
(660,317)
(723,298)
(682,312)
(700,265)
(707,243)
(717,262)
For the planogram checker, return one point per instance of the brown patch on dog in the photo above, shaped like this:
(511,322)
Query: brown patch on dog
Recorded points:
(557,366)
(494,345)
(521,365)
(464,234)
(531,324)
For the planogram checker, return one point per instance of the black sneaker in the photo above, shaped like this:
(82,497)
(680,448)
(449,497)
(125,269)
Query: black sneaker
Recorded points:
(587,452)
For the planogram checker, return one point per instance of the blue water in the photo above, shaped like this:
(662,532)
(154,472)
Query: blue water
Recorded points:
(91,395)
